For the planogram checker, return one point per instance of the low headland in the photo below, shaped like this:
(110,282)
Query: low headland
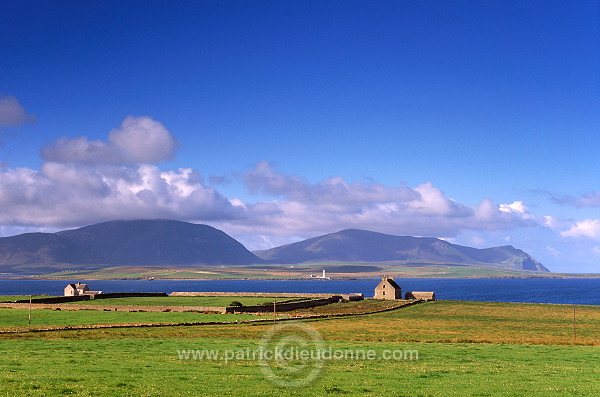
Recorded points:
(334,270)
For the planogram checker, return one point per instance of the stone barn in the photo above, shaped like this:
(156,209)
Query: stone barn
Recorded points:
(388,289)
(420,295)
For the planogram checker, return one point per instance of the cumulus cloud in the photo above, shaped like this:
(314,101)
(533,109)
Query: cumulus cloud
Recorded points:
(432,201)
(86,181)
(333,192)
(305,209)
(517,207)
(84,188)
(12,113)
(138,140)
(70,195)
(143,140)
(586,228)
(81,150)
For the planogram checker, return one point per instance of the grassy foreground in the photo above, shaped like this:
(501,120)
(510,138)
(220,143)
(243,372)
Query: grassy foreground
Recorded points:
(464,349)
(17,319)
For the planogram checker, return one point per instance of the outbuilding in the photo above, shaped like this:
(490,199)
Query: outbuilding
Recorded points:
(420,295)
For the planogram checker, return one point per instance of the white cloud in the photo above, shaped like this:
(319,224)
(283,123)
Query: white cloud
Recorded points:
(333,193)
(432,201)
(516,207)
(143,140)
(69,195)
(80,150)
(12,113)
(138,140)
(309,209)
(586,228)
(83,182)
(76,192)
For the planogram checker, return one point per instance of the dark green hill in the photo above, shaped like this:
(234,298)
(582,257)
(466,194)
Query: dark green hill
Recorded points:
(354,245)
(117,243)
(175,243)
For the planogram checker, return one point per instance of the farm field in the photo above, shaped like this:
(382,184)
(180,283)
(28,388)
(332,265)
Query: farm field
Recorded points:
(212,301)
(12,298)
(151,367)
(11,319)
(463,349)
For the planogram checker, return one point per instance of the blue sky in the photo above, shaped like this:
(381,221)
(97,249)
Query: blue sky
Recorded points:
(473,121)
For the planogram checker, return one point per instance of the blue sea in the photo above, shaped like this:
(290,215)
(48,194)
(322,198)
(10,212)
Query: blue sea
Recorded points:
(565,291)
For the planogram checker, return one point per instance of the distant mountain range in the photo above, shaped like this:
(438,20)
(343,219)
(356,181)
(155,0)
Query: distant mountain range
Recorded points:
(119,243)
(355,245)
(176,243)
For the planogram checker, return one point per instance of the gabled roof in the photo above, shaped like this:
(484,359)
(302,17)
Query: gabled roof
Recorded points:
(389,281)
(78,286)
(393,283)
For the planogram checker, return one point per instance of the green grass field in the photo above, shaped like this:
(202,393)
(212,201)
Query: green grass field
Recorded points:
(19,318)
(464,349)
(209,301)
(151,367)
(12,298)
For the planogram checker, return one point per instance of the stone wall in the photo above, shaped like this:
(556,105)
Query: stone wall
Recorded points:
(65,299)
(284,307)
(128,294)
(56,299)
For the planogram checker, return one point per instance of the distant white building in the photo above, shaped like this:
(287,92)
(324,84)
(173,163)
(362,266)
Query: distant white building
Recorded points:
(324,277)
